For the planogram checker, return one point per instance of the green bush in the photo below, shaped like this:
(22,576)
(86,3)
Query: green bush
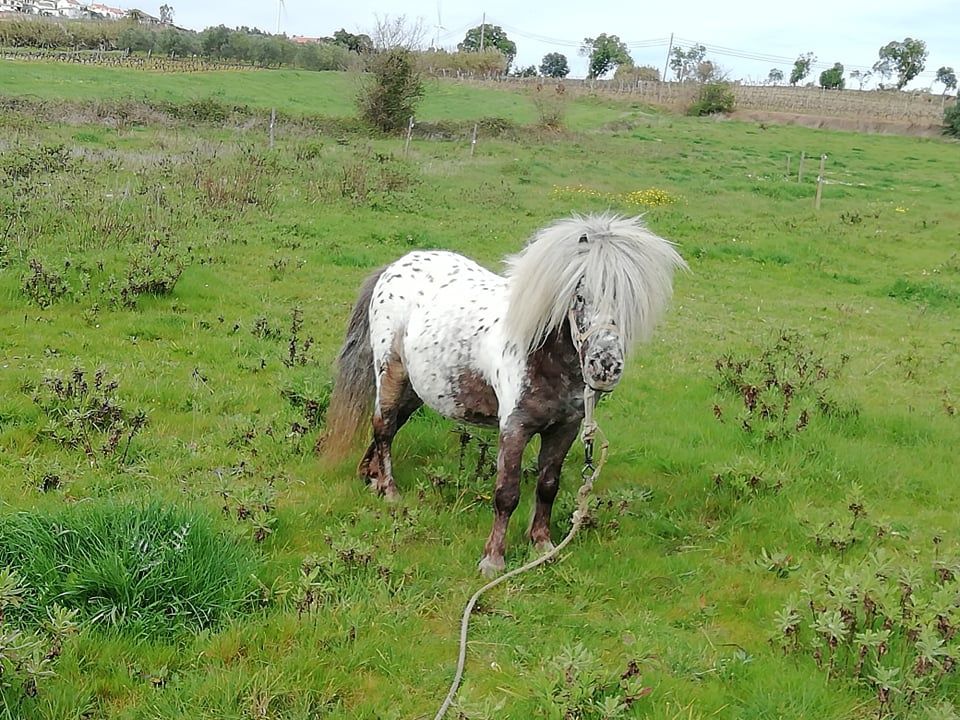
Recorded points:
(951,120)
(388,99)
(713,98)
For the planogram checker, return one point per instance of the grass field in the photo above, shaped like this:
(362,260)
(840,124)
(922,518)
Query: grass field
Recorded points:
(775,534)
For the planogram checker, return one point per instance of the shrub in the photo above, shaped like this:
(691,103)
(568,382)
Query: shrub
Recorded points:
(885,621)
(781,389)
(21,163)
(636,73)
(43,286)
(713,98)
(951,120)
(87,414)
(551,108)
(388,99)
(27,657)
(151,272)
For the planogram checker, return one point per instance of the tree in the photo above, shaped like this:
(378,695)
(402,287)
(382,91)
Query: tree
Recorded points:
(388,99)
(861,76)
(708,71)
(554,65)
(166,14)
(775,77)
(906,59)
(637,73)
(833,78)
(606,52)
(525,72)
(685,63)
(213,40)
(801,67)
(489,36)
(134,37)
(948,78)
(354,43)
(398,32)
(240,46)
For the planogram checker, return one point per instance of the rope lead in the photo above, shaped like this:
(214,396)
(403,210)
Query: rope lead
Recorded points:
(590,474)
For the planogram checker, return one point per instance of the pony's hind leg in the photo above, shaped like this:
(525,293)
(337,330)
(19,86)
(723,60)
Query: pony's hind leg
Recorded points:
(396,402)
(554,445)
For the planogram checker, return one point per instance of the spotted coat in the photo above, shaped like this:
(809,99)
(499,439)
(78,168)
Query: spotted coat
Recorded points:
(441,315)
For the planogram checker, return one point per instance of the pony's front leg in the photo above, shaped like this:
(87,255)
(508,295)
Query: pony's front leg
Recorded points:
(505,497)
(554,445)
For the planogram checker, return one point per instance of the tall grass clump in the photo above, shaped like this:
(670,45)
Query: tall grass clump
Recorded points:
(149,570)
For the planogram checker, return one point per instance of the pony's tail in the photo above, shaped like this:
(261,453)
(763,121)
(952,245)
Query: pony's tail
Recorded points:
(353,389)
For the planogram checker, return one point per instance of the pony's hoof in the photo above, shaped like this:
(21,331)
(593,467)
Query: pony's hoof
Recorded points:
(490,567)
(391,495)
(388,493)
(543,547)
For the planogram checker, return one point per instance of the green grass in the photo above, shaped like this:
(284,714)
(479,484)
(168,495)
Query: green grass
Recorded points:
(145,570)
(331,94)
(361,601)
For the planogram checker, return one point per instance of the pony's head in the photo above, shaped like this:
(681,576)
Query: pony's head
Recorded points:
(606,275)
(596,338)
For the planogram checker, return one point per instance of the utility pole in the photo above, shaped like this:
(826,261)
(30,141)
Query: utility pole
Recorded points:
(666,62)
(483,26)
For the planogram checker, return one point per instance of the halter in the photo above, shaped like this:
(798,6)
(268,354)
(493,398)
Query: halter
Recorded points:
(580,337)
(590,395)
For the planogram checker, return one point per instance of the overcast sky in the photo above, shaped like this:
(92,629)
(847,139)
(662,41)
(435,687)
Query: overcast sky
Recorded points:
(846,31)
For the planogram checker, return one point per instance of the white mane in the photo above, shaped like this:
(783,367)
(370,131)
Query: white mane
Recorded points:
(626,269)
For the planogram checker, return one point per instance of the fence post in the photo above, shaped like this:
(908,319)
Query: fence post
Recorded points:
(823,160)
(406,145)
(273,124)
(803,156)
(788,165)
(473,141)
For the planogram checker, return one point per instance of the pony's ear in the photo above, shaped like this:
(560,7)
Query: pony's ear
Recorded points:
(583,238)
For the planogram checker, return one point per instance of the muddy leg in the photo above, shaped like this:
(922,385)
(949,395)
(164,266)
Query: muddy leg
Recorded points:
(396,402)
(554,445)
(505,498)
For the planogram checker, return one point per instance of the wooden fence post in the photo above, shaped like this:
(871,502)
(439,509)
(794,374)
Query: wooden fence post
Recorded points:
(803,156)
(473,140)
(273,124)
(823,161)
(406,145)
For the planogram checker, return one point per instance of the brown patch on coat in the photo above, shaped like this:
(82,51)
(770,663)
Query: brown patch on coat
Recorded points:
(553,387)
(393,383)
(476,399)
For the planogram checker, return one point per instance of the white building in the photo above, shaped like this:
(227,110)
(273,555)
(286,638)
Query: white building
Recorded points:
(71,9)
(40,7)
(11,6)
(110,13)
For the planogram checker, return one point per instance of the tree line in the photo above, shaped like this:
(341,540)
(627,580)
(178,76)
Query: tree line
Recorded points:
(898,63)
(485,50)
(242,45)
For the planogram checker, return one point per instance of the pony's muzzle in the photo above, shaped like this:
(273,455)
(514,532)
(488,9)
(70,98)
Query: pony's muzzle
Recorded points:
(602,371)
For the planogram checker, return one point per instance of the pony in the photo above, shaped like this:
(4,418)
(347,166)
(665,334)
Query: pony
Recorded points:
(514,351)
